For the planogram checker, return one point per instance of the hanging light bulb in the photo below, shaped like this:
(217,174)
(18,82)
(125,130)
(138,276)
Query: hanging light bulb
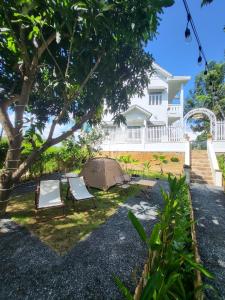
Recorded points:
(200,60)
(206,68)
(187,32)
(200,56)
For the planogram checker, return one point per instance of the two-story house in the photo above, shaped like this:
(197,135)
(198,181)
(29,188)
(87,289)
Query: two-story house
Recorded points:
(162,103)
(151,117)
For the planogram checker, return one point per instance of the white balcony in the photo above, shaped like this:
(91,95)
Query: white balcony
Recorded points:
(175,110)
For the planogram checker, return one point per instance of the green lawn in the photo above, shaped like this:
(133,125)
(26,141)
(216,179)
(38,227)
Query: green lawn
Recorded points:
(63,232)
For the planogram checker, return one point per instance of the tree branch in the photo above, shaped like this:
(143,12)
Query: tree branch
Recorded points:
(67,103)
(36,153)
(70,50)
(45,47)
(46,43)
(6,123)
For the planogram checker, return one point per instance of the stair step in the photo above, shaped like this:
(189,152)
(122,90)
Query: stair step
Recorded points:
(199,177)
(199,152)
(200,181)
(199,164)
(199,158)
(201,170)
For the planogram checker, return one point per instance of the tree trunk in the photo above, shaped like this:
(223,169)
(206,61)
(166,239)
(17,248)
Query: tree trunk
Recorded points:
(6,185)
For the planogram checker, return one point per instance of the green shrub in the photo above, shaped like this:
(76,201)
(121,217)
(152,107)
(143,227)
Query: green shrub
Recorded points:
(161,161)
(171,262)
(221,161)
(174,159)
(126,159)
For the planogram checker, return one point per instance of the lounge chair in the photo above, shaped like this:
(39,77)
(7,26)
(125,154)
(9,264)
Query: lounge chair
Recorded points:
(78,190)
(48,195)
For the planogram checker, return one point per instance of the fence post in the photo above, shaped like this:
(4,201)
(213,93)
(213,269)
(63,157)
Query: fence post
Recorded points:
(143,137)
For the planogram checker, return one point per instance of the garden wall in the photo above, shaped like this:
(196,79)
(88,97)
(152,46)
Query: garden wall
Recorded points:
(175,168)
(143,156)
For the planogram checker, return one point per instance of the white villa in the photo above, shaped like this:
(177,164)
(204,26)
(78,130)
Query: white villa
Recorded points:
(156,117)
(162,104)
(156,123)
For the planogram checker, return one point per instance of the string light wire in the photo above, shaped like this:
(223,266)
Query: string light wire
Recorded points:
(200,48)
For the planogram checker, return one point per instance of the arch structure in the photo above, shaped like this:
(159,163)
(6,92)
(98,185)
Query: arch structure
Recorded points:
(203,111)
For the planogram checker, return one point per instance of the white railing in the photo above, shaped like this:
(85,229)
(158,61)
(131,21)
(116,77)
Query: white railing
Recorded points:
(217,174)
(125,136)
(220,130)
(164,134)
(174,110)
(145,135)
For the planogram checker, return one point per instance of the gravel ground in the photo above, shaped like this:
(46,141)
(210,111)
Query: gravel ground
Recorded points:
(31,270)
(209,211)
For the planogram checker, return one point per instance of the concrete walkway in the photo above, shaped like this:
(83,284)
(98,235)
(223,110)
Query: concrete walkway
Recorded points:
(31,270)
(209,211)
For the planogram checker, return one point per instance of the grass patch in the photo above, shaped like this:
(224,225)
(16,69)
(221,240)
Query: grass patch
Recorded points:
(62,233)
(148,174)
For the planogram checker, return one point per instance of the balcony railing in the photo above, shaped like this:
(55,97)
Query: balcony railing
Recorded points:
(144,135)
(174,110)
(220,130)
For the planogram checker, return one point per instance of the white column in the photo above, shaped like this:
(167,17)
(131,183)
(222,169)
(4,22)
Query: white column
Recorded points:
(182,102)
(143,134)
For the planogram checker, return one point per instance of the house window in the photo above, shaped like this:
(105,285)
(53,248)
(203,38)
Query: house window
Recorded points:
(155,98)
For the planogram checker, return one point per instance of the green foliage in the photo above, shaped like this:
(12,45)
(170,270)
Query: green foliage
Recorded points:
(83,31)
(3,150)
(71,155)
(174,159)
(171,262)
(147,166)
(161,161)
(221,161)
(126,159)
(209,92)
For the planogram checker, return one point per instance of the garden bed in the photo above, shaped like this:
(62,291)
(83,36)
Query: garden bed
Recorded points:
(199,295)
(173,266)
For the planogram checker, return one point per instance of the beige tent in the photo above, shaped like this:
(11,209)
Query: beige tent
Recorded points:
(101,172)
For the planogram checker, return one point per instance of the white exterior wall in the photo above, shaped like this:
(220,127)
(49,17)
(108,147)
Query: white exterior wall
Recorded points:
(152,147)
(136,115)
(159,112)
(219,146)
(141,113)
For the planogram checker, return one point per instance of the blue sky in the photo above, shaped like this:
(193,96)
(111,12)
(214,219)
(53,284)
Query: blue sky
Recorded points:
(179,57)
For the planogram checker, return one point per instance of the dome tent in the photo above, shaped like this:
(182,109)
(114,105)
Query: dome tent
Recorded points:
(101,172)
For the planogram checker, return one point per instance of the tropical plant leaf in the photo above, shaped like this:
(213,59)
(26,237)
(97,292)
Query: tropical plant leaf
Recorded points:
(124,290)
(198,267)
(137,225)
(155,240)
